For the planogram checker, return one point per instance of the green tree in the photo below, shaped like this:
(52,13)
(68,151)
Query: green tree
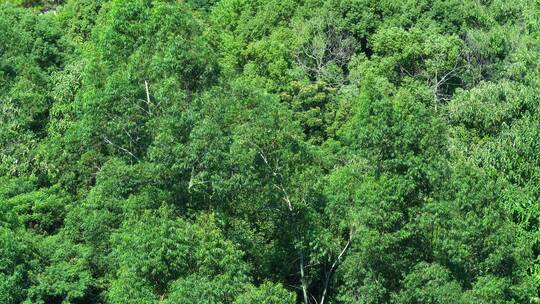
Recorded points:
(160,256)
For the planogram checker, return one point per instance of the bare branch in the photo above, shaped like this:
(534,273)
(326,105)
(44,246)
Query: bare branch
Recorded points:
(326,45)
(108,141)
(148,102)
(276,174)
(332,268)
(303,279)
(438,82)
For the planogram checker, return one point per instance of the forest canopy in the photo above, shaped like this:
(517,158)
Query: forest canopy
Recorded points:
(276,151)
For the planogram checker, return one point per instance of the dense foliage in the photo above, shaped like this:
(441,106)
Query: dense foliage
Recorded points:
(277,151)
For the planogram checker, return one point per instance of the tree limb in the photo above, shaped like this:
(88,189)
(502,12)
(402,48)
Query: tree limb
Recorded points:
(332,268)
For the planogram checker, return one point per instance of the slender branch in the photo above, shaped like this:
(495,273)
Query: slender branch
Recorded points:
(303,279)
(329,274)
(274,173)
(148,102)
(438,82)
(108,141)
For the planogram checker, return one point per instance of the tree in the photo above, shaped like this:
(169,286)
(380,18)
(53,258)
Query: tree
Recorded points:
(240,151)
(162,257)
(394,161)
(31,52)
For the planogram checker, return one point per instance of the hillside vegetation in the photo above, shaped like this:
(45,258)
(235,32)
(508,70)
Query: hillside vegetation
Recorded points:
(270,151)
